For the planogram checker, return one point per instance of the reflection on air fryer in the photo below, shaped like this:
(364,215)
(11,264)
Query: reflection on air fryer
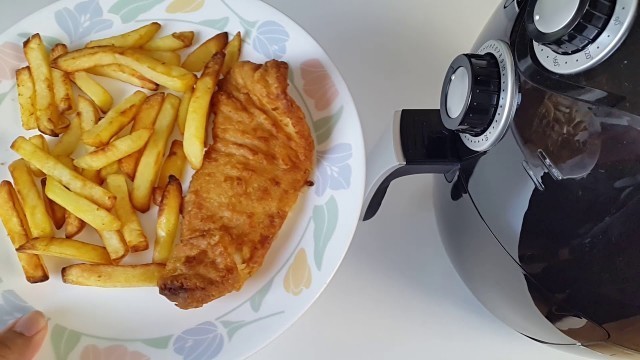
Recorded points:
(586,251)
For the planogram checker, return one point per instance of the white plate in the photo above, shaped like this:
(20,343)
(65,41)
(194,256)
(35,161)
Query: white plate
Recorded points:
(92,323)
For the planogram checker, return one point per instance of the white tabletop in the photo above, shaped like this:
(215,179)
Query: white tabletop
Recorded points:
(396,295)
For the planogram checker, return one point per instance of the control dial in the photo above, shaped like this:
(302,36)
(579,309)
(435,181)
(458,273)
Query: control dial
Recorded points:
(478,95)
(571,36)
(568,26)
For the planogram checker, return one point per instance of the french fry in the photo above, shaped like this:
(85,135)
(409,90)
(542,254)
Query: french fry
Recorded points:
(174,165)
(168,220)
(40,141)
(57,50)
(26,98)
(131,227)
(88,113)
(110,169)
(132,39)
(150,162)
(166,57)
(93,89)
(195,127)
(93,215)
(66,161)
(15,223)
(115,244)
(114,121)
(112,276)
(66,248)
(145,119)
(173,42)
(196,61)
(57,170)
(114,151)
(184,109)
(31,199)
(55,211)
(62,90)
(48,118)
(69,141)
(173,77)
(124,74)
(232,51)
(73,225)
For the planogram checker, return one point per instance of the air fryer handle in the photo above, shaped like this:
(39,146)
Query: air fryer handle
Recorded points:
(417,143)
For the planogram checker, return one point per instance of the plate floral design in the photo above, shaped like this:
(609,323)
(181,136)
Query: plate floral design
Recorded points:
(137,323)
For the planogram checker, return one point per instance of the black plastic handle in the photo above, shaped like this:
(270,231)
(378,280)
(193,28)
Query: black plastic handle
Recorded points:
(428,147)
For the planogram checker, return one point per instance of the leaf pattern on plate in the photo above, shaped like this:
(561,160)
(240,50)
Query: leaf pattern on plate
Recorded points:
(184,6)
(216,24)
(203,341)
(323,128)
(12,306)
(11,58)
(325,221)
(112,352)
(258,297)
(83,20)
(130,10)
(333,169)
(270,40)
(298,276)
(318,84)
(64,341)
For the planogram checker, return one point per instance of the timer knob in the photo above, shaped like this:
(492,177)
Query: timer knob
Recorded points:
(568,26)
(471,93)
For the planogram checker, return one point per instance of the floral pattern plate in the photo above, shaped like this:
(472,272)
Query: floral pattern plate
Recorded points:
(93,323)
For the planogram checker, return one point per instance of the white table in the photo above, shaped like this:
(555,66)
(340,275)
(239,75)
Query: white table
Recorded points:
(396,296)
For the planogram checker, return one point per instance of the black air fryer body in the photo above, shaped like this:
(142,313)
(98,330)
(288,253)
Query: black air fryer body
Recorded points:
(545,227)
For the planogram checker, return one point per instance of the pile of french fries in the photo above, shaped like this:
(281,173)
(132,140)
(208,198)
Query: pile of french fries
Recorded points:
(103,162)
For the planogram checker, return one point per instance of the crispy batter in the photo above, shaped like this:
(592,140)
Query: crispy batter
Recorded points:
(261,158)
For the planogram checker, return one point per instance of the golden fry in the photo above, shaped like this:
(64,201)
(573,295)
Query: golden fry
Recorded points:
(113,276)
(55,211)
(232,50)
(110,169)
(31,198)
(124,74)
(170,76)
(173,42)
(114,151)
(168,221)
(92,214)
(195,127)
(73,225)
(196,61)
(69,141)
(184,109)
(132,39)
(39,141)
(114,121)
(88,113)
(48,117)
(93,89)
(26,98)
(174,165)
(15,223)
(145,119)
(62,90)
(131,227)
(66,248)
(57,170)
(165,57)
(57,50)
(151,159)
(115,244)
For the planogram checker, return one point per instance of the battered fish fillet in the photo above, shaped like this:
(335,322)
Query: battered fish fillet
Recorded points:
(261,158)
